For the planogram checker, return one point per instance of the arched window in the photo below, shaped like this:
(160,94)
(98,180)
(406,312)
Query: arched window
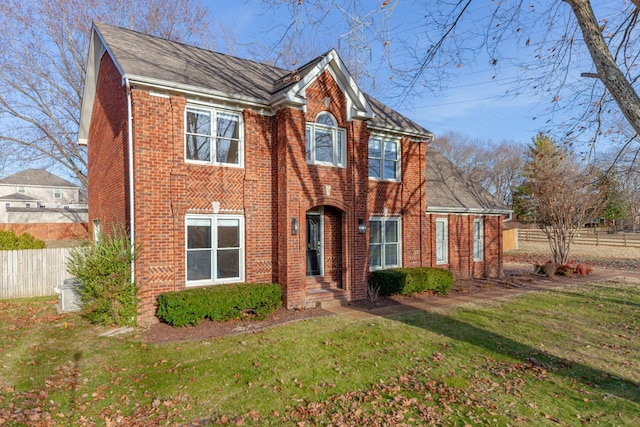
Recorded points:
(326,142)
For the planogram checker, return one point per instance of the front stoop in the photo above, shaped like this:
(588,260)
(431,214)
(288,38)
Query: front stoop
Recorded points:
(326,298)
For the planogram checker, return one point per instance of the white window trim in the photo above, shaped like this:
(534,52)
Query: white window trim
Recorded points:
(383,139)
(445,243)
(383,243)
(311,128)
(214,218)
(96,230)
(478,239)
(21,189)
(214,122)
(57,193)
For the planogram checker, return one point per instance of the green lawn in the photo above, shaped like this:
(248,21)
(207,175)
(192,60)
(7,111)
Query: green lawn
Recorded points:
(563,357)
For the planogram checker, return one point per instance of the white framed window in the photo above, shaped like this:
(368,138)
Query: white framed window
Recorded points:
(27,205)
(478,239)
(21,189)
(214,249)
(442,241)
(7,205)
(96,230)
(213,137)
(326,142)
(57,193)
(385,246)
(384,158)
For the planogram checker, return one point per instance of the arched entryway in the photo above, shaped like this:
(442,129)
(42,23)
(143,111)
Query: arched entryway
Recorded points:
(324,238)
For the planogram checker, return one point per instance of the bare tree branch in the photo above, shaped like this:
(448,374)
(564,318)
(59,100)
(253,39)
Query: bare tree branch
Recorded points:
(43,52)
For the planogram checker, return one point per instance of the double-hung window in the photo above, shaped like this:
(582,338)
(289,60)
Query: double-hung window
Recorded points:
(215,249)
(442,241)
(326,142)
(384,158)
(213,136)
(384,243)
(478,240)
(57,193)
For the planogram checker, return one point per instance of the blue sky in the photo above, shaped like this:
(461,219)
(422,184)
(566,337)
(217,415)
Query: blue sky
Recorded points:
(473,100)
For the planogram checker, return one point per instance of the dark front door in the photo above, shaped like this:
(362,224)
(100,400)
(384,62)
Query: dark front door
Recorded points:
(314,243)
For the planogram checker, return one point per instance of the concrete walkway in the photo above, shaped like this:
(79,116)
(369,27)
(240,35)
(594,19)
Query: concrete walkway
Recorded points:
(492,292)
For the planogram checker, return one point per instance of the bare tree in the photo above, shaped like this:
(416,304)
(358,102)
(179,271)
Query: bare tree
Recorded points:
(496,167)
(557,42)
(559,195)
(43,53)
(624,168)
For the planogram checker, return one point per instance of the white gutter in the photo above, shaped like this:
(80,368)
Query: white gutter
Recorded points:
(193,90)
(132,227)
(426,137)
(469,211)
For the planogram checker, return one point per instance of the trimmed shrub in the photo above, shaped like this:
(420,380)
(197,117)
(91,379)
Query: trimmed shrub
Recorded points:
(104,271)
(407,281)
(9,241)
(219,303)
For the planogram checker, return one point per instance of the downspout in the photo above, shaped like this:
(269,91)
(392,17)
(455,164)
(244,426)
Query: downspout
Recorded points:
(131,192)
(423,206)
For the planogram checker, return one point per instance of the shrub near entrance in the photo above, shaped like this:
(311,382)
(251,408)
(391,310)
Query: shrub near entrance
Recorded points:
(407,281)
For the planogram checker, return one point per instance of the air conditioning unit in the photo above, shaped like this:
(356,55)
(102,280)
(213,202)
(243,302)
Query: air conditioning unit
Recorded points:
(69,296)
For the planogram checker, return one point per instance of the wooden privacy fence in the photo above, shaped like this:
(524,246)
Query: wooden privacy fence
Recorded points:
(510,239)
(588,237)
(32,273)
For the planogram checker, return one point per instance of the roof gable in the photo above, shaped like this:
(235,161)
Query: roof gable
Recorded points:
(294,92)
(18,196)
(36,177)
(449,190)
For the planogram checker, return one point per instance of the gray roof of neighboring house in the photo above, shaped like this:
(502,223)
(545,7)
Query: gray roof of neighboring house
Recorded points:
(17,196)
(449,190)
(149,57)
(37,177)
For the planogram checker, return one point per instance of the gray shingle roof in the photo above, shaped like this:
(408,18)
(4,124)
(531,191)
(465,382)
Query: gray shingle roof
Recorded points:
(152,57)
(451,190)
(39,177)
(17,196)
(144,56)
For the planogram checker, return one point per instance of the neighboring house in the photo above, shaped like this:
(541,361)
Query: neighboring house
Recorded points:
(35,196)
(226,170)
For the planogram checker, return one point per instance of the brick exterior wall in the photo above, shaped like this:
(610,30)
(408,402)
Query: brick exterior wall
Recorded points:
(51,231)
(275,186)
(108,171)
(460,240)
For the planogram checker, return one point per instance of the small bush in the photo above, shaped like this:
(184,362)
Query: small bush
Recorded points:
(583,270)
(548,269)
(9,241)
(104,271)
(407,281)
(373,293)
(565,270)
(219,303)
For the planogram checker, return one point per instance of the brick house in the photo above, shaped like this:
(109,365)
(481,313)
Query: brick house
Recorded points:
(226,171)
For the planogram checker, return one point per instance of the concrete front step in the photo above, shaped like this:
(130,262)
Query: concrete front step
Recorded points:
(325,298)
